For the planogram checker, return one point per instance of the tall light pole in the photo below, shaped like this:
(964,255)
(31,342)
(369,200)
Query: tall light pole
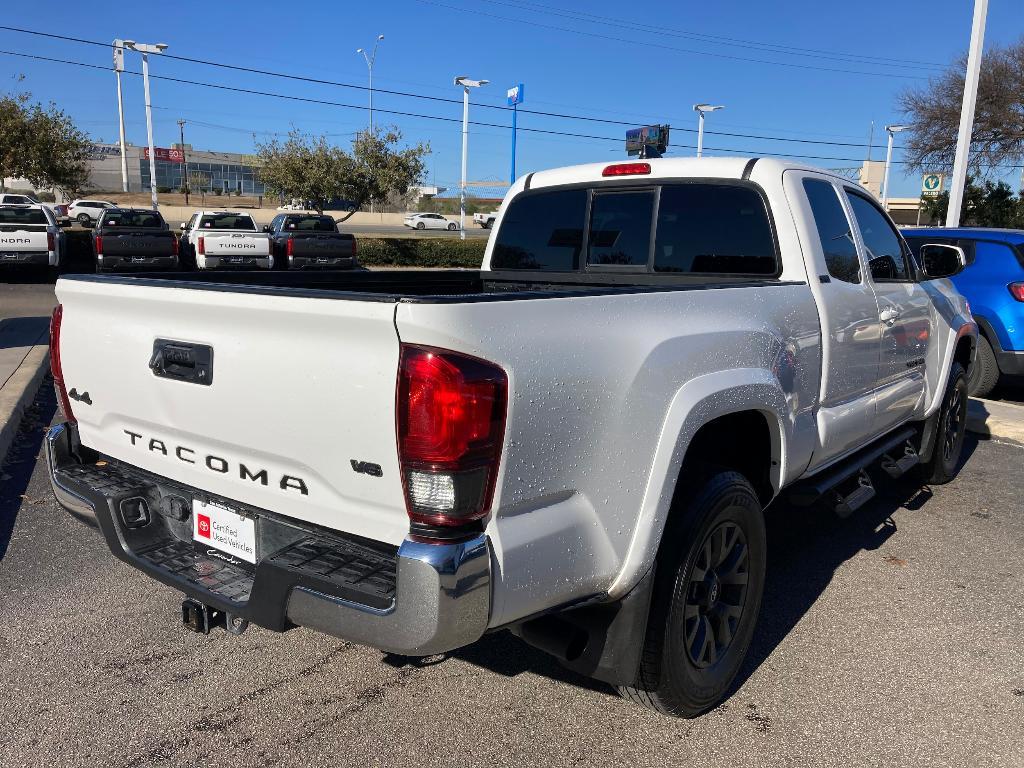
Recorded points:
(701,109)
(118,69)
(963,141)
(466,84)
(892,130)
(145,49)
(370,58)
(184,160)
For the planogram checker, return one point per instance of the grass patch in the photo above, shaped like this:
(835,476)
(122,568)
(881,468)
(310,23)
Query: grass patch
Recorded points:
(421,252)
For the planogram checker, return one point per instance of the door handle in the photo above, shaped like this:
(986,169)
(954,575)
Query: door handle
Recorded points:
(889,316)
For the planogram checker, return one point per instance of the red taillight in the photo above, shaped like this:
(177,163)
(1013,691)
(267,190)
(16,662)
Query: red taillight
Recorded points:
(51,242)
(289,248)
(55,366)
(451,422)
(202,246)
(174,245)
(1017,291)
(99,245)
(627,169)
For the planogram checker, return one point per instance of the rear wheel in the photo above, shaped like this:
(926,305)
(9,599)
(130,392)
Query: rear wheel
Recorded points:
(706,601)
(984,373)
(83,219)
(420,225)
(950,428)
(452,227)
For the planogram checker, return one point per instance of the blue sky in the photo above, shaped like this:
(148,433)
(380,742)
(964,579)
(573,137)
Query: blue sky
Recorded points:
(574,58)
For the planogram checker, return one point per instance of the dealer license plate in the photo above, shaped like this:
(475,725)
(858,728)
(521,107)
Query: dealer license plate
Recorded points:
(224,531)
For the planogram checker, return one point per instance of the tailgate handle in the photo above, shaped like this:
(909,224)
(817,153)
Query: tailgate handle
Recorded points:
(182,361)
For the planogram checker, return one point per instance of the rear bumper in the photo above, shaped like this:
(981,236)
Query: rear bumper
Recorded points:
(124,263)
(27,258)
(235,262)
(321,262)
(419,599)
(1010,363)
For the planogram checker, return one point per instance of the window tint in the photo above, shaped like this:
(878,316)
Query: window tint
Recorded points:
(543,230)
(718,229)
(620,228)
(884,249)
(149,219)
(22,216)
(833,230)
(228,221)
(311,224)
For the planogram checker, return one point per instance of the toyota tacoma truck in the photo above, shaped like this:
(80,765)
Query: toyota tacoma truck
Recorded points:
(225,239)
(576,442)
(30,236)
(310,241)
(133,239)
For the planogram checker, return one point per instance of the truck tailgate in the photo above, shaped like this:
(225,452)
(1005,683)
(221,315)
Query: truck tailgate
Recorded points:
(328,246)
(16,240)
(300,391)
(138,244)
(235,244)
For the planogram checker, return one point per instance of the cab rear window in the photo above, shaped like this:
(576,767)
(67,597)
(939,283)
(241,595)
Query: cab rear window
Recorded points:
(135,219)
(227,221)
(22,216)
(310,224)
(699,228)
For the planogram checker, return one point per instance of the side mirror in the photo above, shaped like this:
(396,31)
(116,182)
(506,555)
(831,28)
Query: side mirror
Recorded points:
(266,227)
(941,260)
(183,225)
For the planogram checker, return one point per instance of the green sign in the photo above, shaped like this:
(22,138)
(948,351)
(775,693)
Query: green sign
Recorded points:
(932,184)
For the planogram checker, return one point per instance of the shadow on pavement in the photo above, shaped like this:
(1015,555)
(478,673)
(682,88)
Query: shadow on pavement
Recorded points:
(805,547)
(23,332)
(16,469)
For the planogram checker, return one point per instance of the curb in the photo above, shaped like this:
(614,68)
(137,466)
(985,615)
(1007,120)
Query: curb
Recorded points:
(996,420)
(19,392)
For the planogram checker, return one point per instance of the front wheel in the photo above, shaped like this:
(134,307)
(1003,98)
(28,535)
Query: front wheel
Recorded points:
(709,582)
(83,219)
(950,429)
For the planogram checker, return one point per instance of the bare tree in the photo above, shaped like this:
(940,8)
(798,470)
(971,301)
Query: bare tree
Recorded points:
(934,112)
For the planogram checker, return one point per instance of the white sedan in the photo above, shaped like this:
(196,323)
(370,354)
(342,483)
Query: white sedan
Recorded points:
(429,221)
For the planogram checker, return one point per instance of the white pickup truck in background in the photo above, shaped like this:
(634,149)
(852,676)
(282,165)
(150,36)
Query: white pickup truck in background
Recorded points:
(485,220)
(225,239)
(576,442)
(30,236)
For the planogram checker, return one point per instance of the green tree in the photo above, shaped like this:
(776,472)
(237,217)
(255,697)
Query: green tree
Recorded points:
(310,168)
(41,144)
(933,110)
(985,205)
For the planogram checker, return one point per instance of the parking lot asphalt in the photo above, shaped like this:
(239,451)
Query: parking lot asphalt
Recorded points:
(893,638)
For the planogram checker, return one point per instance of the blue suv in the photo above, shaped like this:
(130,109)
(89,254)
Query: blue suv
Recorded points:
(993,283)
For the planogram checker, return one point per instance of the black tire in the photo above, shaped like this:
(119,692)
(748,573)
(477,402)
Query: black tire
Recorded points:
(420,225)
(984,374)
(688,662)
(83,219)
(452,227)
(950,428)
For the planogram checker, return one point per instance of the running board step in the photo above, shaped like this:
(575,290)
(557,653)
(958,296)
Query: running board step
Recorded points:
(863,491)
(827,483)
(897,467)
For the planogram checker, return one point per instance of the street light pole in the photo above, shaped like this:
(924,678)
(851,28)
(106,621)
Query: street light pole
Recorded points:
(963,141)
(466,84)
(118,68)
(892,130)
(184,160)
(700,109)
(370,59)
(146,49)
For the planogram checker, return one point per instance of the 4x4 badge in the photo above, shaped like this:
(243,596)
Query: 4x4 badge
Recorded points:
(80,398)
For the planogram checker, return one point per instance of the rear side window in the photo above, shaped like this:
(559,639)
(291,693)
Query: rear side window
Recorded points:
(713,229)
(834,231)
(227,221)
(22,216)
(620,228)
(140,219)
(542,231)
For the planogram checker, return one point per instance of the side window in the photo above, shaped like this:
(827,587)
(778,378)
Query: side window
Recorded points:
(542,230)
(884,249)
(713,229)
(620,228)
(834,231)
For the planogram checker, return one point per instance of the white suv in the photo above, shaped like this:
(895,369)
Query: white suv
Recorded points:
(88,211)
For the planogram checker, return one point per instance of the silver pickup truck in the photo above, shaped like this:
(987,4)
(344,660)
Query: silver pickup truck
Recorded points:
(576,442)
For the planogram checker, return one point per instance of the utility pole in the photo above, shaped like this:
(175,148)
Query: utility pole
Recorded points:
(184,159)
(118,69)
(466,84)
(963,141)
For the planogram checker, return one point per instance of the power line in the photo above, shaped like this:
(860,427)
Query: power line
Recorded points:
(557,115)
(324,102)
(818,53)
(478,12)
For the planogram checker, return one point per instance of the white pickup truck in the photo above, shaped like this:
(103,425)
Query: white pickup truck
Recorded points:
(30,236)
(225,239)
(485,220)
(575,442)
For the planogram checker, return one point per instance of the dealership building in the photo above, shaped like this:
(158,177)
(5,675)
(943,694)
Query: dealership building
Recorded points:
(229,172)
